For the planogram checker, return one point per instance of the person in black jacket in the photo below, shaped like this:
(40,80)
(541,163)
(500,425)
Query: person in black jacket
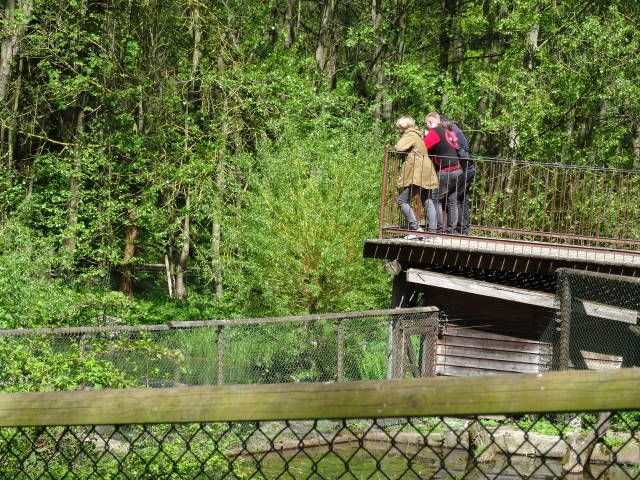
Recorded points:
(465,180)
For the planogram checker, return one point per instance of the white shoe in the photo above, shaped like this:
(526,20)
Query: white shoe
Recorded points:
(412,236)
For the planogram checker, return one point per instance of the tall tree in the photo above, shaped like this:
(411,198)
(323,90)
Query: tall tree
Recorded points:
(326,55)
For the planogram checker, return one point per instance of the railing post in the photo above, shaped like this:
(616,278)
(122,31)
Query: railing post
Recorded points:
(221,345)
(340,350)
(383,194)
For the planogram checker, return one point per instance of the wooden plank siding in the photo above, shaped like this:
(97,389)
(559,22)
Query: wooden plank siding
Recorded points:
(464,351)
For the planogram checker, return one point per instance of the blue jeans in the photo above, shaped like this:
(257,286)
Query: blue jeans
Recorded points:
(465,182)
(446,199)
(404,202)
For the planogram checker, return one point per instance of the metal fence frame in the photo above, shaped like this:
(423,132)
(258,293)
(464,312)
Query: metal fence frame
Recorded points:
(400,324)
(585,300)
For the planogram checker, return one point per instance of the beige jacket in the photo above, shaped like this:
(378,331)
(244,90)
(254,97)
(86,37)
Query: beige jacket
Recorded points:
(417,168)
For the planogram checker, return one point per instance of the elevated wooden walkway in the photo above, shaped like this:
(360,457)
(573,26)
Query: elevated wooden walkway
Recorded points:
(502,255)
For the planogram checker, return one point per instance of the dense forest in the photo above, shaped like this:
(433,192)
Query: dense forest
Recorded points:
(189,159)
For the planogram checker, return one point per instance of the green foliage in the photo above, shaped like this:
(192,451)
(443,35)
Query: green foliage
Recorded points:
(134,451)
(36,365)
(372,363)
(50,362)
(301,228)
(143,115)
(543,425)
(28,297)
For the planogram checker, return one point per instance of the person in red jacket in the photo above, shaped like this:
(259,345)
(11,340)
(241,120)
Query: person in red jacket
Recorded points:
(442,144)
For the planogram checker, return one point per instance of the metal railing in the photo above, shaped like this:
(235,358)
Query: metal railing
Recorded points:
(550,425)
(570,204)
(311,348)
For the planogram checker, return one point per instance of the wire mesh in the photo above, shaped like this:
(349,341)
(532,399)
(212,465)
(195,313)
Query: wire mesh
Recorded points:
(597,325)
(605,445)
(320,348)
(556,203)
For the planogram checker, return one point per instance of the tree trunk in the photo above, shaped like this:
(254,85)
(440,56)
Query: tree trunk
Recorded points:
(131,233)
(326,49)
(449,10)
(181,265)
(457,52)
(197,37)
(532,45)
(216,266)
(9,48)
(382,111)
(289,25)
(567,147)
(70,242)
(12,120)
(399,45)
(481,447)
(170,279)
(215,259)
(493,47)
(581,447)
(10,44)
(636,148)
(180,284)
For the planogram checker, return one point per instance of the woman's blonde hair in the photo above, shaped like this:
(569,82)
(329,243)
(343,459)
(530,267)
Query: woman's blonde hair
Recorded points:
(405,122)
(432,116)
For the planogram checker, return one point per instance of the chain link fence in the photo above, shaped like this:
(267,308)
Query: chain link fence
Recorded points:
(597,325)
(313,348)
(531,446)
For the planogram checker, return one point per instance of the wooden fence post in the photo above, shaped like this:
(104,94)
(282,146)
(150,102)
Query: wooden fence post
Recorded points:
(429,348)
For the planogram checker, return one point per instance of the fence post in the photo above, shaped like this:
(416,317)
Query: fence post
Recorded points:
(402,295)
(340,350)
(398,347)
(383,190)
(564,342)
(429,348)
(221,345)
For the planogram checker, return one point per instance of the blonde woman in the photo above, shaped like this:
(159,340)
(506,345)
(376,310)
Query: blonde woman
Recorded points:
(418,175)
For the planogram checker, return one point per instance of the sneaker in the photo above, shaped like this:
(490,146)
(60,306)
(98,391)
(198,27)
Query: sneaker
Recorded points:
(412,236)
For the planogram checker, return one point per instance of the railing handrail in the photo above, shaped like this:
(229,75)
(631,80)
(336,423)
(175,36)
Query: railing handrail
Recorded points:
(551,392)
(214,323)
(514,161)
(579,205)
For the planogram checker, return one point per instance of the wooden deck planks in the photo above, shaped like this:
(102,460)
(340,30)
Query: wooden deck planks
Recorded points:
(503,255)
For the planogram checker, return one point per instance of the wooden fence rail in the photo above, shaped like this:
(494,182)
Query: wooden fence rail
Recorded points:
(552,392)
